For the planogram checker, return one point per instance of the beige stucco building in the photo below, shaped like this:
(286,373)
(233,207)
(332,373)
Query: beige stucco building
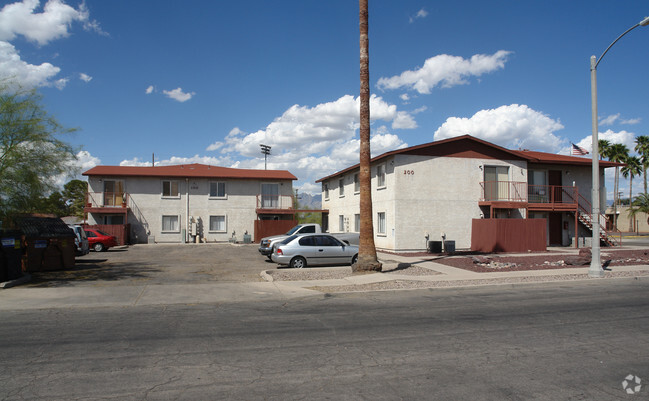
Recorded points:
(434,191)
(185,202)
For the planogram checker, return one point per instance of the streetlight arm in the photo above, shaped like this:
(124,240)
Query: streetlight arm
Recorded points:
(644,22)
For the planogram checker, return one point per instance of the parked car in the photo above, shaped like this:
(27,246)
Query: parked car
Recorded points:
(267,243)
(80,240)
(99,240)
(299,251)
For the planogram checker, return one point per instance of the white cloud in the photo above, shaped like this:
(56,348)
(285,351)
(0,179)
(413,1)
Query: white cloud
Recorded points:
(514,126)
(404,97)
(29,75)
(178,94)
(445,71)
(149,90)
(175,160)
(53,23)
(609,120)
(420,14)
(631,121)
(403,120)
(85,77)
(214,146)
(86,161)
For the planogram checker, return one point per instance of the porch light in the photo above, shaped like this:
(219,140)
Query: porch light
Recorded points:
(595,269)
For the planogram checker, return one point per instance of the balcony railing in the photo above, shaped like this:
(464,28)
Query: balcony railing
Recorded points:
(106,199)
(508,191)
(511,191)
(283,202)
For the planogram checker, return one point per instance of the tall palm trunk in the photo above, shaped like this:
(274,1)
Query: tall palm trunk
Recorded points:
(630,202)
(367,260)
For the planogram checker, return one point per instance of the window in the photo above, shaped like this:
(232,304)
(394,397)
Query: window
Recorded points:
(380,176)
(217,189)
(270,196)
(357,223)
(307,241)
(113,193)
(217,224)
(170,189)
(496,183)
(341,186)
(341,223)
(381,223)
(170,224)
(326,190)
(357,184)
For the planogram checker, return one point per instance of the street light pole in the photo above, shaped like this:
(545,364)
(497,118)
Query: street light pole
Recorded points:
(595,269)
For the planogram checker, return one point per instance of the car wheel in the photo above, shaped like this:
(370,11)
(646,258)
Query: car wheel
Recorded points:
(98,247)
(298,262)
(355,259)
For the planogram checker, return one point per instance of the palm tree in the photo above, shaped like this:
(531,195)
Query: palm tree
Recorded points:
(604,148)
(640,205)
(632,169)
(642,147)
(367,260)
(617,152)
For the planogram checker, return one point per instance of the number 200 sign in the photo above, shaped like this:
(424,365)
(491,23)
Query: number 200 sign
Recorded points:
(408,172)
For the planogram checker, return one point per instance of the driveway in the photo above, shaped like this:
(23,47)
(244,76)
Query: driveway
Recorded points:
(161,264)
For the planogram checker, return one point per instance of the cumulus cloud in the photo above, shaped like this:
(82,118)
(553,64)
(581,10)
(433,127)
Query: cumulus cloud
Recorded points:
(149,90)
(313,142)
(177,94)
(445,71)
(54,22)
(29,75)
(175,160)
(85,77)
(514,126)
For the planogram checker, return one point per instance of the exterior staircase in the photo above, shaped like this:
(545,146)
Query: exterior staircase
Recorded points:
(585,217)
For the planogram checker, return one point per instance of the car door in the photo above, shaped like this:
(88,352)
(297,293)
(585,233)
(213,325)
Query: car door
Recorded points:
(328,250)
(307,248)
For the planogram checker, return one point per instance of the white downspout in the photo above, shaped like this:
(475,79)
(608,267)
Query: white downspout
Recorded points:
(187,211)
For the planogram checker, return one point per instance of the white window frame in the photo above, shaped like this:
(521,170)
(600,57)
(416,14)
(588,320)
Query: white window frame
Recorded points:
(162,227)
(380,176)
(341,223)
(171,182)
(357,223)
(225,224)
(357,183)
(225,190)
(381,224)
(325,187)
(341,188)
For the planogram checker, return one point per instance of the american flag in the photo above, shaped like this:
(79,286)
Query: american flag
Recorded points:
(577,151)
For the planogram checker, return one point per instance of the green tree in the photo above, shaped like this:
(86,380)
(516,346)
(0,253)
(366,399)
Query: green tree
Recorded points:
(640,205)
(642,147)
(32,153)
(604,148)
(74,193)
(618,153)
(633,168)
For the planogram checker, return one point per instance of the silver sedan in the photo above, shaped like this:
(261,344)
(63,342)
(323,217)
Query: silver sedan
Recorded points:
(298,251)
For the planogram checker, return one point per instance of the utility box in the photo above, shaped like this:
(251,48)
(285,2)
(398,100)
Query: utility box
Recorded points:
(449,246)
(435,246)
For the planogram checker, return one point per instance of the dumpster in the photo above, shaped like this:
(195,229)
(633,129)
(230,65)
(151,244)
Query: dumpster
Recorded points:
(11,255)
(49,244)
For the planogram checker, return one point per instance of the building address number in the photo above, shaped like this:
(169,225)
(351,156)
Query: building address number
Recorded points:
(409,172)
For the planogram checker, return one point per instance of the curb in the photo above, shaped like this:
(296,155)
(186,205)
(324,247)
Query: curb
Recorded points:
(12,283)
(268,277)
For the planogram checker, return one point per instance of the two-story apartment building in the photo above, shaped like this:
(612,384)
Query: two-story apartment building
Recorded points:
(435,190)
(184,202)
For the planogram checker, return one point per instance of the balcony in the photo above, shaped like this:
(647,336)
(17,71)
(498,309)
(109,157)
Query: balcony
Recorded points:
(514,195)
(275,204)
(107,202)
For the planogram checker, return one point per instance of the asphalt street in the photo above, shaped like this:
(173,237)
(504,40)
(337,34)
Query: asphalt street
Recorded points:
(552,341)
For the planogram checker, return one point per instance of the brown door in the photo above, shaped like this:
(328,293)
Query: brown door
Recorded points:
(555,229)
(554,180)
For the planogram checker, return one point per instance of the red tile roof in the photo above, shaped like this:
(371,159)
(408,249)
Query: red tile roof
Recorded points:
(190,171)
(468,146)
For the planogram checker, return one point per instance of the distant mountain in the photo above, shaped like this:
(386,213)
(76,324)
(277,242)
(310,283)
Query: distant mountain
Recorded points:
(306,201)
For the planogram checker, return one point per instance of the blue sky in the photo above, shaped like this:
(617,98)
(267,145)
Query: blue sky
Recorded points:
(208,81)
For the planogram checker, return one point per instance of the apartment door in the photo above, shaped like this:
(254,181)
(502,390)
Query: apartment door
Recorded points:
(555,228)
(554,179)
(496,182)
(113,193)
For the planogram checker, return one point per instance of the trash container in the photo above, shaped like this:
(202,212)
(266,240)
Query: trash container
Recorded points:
(11,254)
(247,239)
(435,246)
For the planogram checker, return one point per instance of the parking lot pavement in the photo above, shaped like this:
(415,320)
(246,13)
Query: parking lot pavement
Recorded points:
(161,264)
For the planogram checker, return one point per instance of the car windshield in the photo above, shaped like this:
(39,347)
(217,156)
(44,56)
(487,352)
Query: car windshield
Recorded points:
(293,230)
(289,239)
